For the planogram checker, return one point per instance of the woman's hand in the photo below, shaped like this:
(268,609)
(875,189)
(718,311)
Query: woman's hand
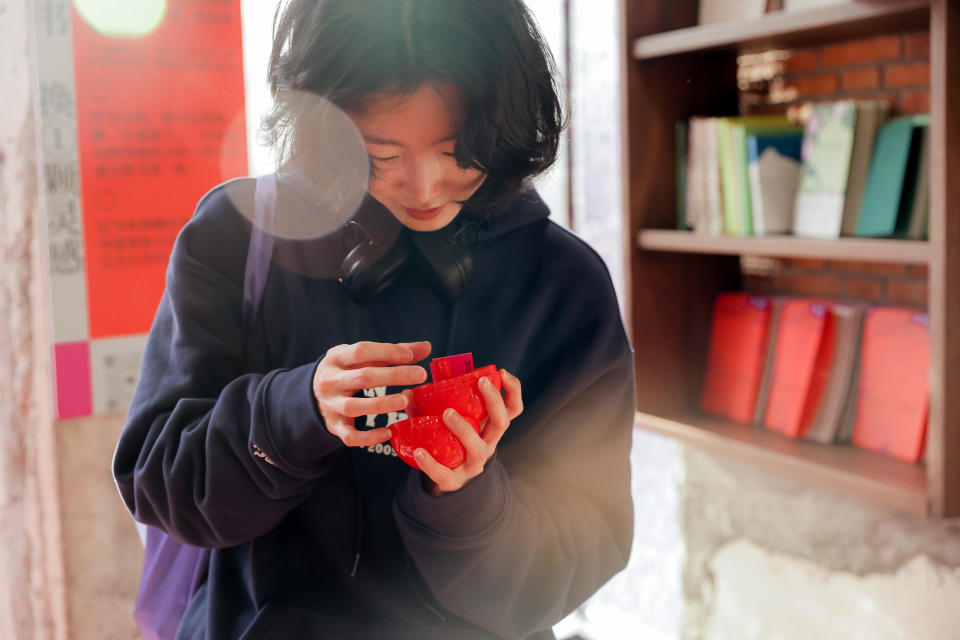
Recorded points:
(348,368)
(480,447)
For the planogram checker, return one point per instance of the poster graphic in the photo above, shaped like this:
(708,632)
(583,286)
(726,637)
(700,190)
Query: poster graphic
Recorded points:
(141,112)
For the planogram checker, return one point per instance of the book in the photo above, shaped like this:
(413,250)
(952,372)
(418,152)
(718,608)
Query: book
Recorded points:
(773,169)
(870,115)
(845,433)
(713,221)
(919,215)
(732,135)
(829,415)
(893,392)
(827,149)
(712,11)
(804,5)
(680,149)
(732,198)
(888,197)
(695,198)
(800,356)
(763,393)
(736,355)
(740,128)
(703,203)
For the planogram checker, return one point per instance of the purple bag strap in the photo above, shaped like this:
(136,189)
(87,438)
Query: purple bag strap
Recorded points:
(260,250)
(173,571)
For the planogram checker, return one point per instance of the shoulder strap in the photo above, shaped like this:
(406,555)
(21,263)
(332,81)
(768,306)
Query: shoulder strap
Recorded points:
(173,571)
(260,250)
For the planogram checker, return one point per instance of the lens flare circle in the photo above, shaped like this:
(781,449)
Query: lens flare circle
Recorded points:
(122,18)
(323,163)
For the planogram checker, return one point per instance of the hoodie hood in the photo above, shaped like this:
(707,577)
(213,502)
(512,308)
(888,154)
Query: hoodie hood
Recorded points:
(526,208)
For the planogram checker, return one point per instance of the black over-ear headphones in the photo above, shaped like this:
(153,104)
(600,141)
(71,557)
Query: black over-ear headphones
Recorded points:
(444,258)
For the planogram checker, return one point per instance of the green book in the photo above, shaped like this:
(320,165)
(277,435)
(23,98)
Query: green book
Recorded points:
(889,193)
(827,150)
(732,219)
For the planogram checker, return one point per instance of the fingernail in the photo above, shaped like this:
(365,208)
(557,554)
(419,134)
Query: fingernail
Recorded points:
(449,413)
(419,454)
(485,383)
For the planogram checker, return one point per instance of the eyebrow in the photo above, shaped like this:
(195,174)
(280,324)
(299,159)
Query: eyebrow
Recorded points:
(378,140)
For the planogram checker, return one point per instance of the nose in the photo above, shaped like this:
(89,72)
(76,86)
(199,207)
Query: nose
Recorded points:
(424,177)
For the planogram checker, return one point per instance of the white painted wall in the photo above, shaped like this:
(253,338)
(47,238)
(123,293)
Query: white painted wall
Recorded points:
(257,41)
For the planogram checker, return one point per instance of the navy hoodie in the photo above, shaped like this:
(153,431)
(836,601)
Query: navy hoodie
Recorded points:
(224,446)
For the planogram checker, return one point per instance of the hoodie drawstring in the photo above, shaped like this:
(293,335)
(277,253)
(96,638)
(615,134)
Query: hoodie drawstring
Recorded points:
(358,516)
(351,322)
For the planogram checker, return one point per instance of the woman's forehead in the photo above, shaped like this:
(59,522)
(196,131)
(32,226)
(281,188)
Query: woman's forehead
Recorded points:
(430,111)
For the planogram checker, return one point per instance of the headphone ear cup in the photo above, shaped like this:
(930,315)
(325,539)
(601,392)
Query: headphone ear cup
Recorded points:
(368,269)
(446,263)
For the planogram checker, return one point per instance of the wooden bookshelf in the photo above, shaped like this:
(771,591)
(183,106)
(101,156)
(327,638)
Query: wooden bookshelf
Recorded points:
(781,29)
(672,70)
(859,249)
(890,482)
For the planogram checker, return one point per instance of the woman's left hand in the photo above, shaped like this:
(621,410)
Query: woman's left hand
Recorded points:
(501,410)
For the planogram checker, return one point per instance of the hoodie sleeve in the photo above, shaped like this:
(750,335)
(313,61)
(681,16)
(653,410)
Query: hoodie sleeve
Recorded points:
(209,453)
(550,519)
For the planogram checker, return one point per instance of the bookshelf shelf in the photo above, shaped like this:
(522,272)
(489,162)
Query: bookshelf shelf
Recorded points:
(871,476)
(674,69)
(860,249)
(781,29)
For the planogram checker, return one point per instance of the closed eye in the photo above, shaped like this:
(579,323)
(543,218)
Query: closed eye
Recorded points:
(387,159)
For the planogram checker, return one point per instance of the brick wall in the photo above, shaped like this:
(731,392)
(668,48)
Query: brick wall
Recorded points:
(893,67)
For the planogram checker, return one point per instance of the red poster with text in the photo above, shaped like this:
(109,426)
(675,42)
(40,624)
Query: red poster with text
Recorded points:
(160,121)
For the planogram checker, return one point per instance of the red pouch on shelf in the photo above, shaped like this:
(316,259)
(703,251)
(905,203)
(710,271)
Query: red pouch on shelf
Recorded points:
(738,341)
(804,346)
(893,395)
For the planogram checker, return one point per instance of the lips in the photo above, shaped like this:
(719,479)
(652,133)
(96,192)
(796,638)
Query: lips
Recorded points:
(424,214)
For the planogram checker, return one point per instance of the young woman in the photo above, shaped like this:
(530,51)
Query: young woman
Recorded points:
(268,443)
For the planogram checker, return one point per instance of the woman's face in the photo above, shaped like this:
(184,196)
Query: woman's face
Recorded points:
(411,140)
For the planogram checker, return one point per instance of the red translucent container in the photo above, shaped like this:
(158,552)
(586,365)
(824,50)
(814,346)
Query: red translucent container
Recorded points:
(425,427)
(461,393)
(430,433)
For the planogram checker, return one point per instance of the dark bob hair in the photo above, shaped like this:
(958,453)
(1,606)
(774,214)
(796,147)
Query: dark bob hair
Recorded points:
(492,50)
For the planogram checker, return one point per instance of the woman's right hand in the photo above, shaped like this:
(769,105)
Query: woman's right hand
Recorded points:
(349,368)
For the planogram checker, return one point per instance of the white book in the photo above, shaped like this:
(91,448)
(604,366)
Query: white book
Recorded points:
(773,188)
(712,224)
